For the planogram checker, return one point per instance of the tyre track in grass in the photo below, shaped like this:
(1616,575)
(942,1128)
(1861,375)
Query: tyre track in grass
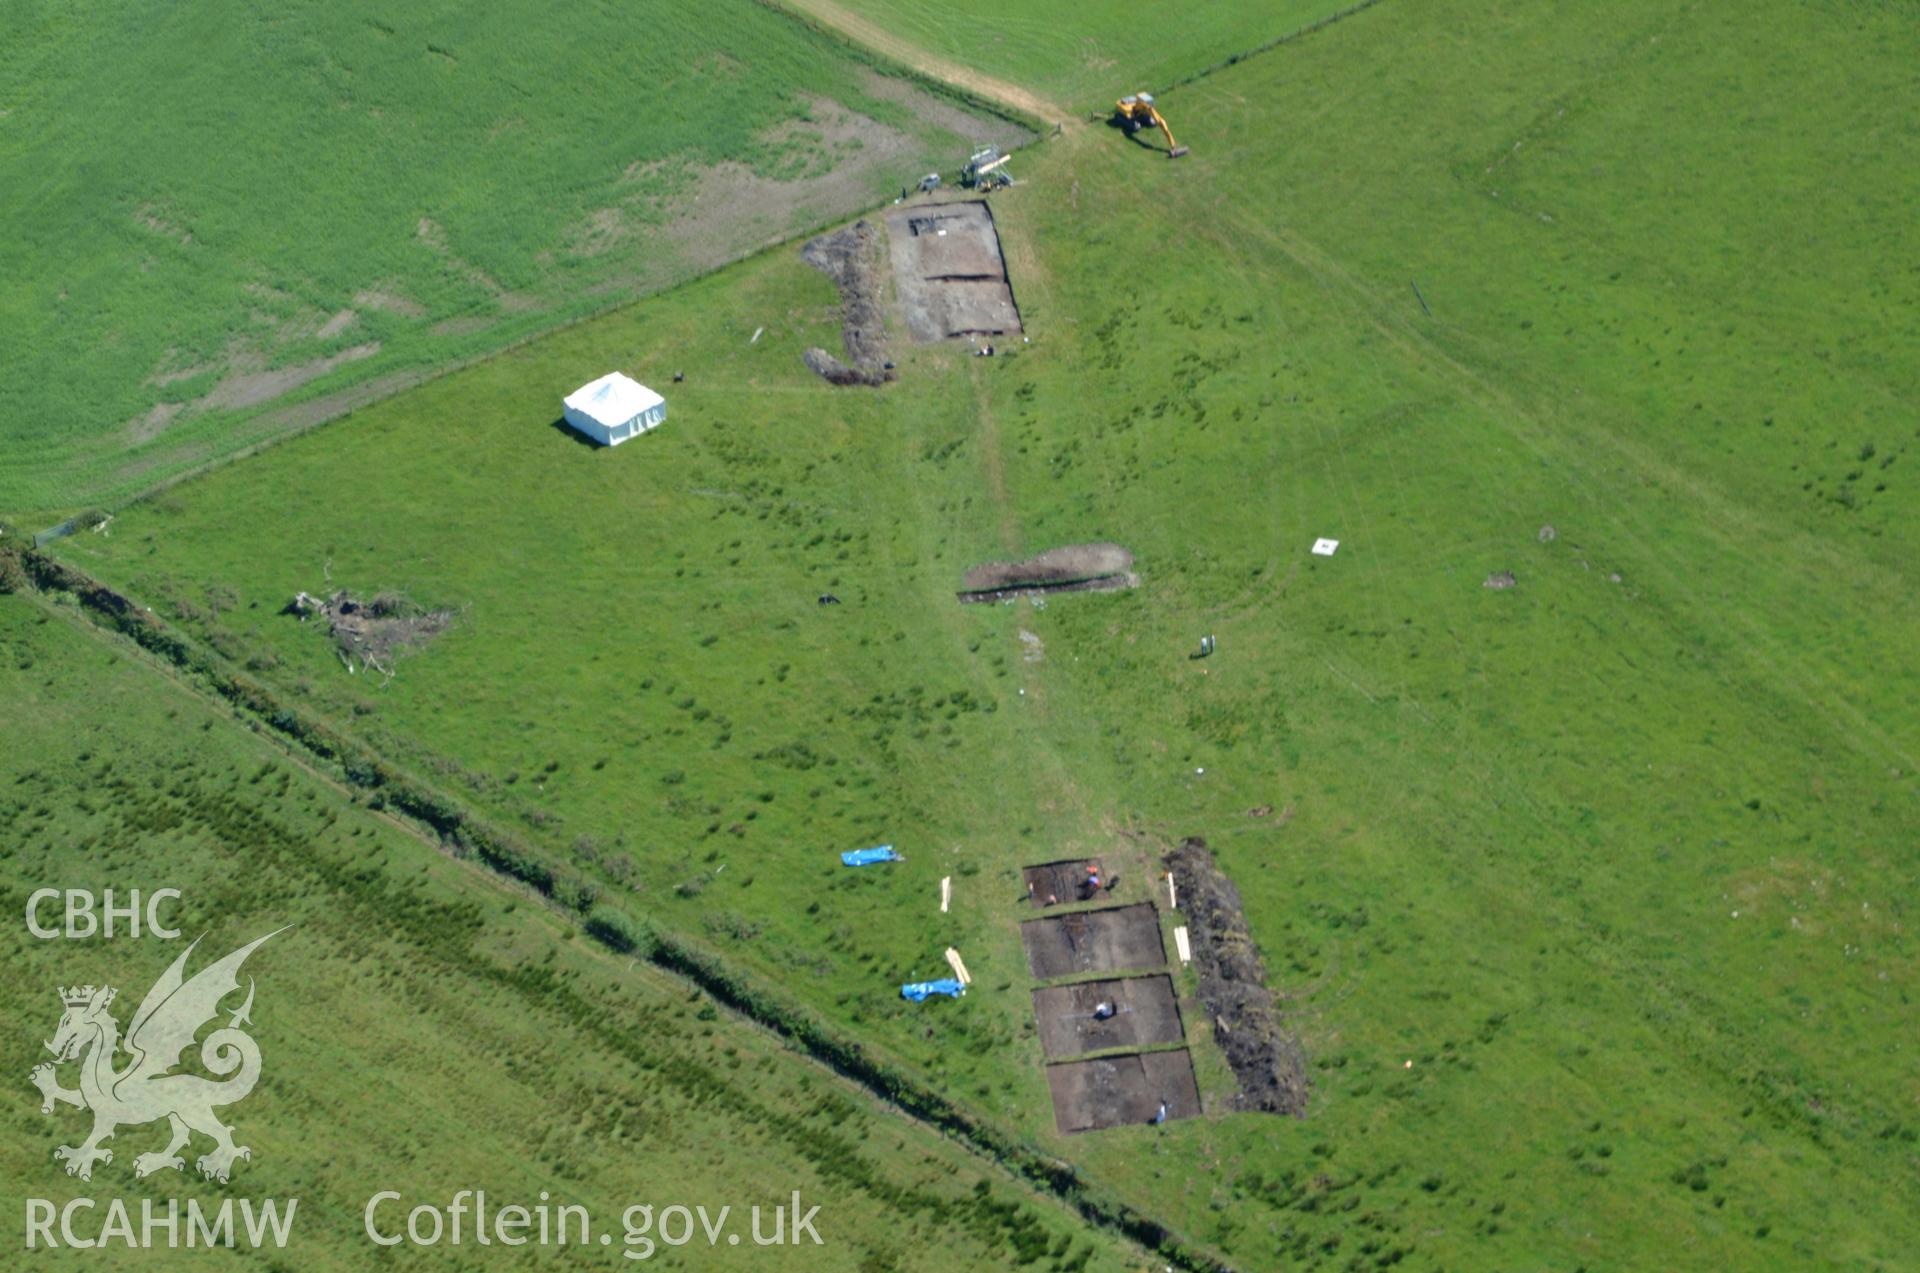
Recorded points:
(836,20)
(1526,412)
(1727,523)
(1526,415)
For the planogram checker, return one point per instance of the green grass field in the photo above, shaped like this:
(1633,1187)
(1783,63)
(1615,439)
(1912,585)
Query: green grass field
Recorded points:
(423,1029)
(1589,897)
(1103,52)
(226,224)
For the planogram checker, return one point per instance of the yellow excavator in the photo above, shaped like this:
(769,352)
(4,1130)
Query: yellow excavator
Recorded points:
(1136,111)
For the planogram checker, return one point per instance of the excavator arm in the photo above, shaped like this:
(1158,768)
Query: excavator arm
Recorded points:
(1174,149)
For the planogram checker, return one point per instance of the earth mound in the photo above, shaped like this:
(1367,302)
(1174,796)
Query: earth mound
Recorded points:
(375,632)
(1072,568)
(1265,1058)
(850,257)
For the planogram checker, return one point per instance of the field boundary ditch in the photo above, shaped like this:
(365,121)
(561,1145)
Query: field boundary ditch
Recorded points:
(386,788)
(408,378)
(1298,33)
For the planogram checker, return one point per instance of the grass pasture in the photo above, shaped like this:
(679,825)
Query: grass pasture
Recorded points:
(1081,65)
(226,223)
(1590,897)
(425,1030)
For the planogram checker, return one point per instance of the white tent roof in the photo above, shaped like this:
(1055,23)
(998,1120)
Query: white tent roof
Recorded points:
(613,399)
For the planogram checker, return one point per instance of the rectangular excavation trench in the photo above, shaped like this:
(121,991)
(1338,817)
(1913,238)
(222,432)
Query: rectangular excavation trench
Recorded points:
(1116,1090)
(948,272)
(1145,1013)
(1118,939)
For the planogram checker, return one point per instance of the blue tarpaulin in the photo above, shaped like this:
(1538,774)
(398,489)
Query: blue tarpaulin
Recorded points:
(919,990)
(867,857)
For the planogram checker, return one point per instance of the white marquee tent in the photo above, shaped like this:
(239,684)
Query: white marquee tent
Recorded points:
(614,408)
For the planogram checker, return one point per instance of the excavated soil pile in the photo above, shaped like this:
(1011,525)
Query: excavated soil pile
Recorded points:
(1266,1059)
(1073,568)
(850,257)
(372,632)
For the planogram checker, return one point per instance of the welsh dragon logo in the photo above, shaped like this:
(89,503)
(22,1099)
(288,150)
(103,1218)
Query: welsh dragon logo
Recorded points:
(147,1088)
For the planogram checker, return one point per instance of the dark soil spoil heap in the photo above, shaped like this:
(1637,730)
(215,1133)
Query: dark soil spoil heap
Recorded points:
(850,257)
(1266,1059)
(1072,568)
(375,632)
